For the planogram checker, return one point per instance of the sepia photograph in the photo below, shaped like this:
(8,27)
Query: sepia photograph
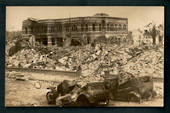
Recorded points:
(84,56)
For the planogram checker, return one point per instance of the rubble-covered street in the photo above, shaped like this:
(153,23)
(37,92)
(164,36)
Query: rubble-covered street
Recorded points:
(32,91)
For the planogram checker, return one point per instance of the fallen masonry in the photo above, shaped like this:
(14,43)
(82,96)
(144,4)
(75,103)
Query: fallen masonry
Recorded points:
(93,61)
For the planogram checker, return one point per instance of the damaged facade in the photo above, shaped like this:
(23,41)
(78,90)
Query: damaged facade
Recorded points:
(75,31)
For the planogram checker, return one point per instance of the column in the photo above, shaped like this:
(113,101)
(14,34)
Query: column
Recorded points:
(90,26)
(63,27)
(78,27)
(48,28)
(49,38)
(97,27)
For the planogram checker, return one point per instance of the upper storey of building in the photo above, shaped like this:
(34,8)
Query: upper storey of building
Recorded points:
(98,22)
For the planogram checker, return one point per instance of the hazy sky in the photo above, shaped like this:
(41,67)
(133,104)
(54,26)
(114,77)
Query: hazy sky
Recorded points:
(137,16)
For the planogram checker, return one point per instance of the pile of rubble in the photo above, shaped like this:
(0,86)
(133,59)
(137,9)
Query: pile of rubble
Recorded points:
(148,63)
(137,61)
(94,61)
(30,58)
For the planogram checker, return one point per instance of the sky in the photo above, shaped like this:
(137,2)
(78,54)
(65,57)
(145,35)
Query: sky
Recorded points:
(137,16)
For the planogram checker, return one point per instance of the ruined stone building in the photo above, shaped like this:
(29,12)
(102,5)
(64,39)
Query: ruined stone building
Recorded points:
(75,31)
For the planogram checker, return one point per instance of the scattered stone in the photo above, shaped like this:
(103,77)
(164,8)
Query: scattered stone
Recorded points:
(37,85)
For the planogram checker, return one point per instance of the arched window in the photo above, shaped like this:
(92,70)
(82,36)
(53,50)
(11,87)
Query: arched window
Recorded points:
(37,29)
(60,28)
(41,29)
(103,24)
(52,29)
(45,28)
(74,28)
(57,28)
(100,27)
(124,26)
(111,27)
(86,27)
(115,26)
(93,27)
(108,27)
(82,27)
(31,29)
(26,31)
(120,27)
(67,27)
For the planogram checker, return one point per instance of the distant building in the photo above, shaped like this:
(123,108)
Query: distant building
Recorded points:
(75,31)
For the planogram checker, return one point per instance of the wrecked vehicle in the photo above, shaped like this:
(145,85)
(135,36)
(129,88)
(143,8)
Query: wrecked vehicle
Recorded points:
(93,94)
(69,93)
(136,89)
(62,89)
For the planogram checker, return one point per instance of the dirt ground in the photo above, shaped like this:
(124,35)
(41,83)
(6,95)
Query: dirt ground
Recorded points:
(32,92)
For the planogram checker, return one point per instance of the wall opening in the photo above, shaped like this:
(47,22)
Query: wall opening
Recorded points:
(75,42)
(59,42)
(45,41)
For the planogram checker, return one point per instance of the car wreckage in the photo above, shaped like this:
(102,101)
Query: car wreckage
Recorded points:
(69,93)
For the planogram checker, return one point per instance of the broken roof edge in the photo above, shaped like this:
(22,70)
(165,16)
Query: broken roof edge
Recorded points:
(32,19)
(100,15)
(41,20)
